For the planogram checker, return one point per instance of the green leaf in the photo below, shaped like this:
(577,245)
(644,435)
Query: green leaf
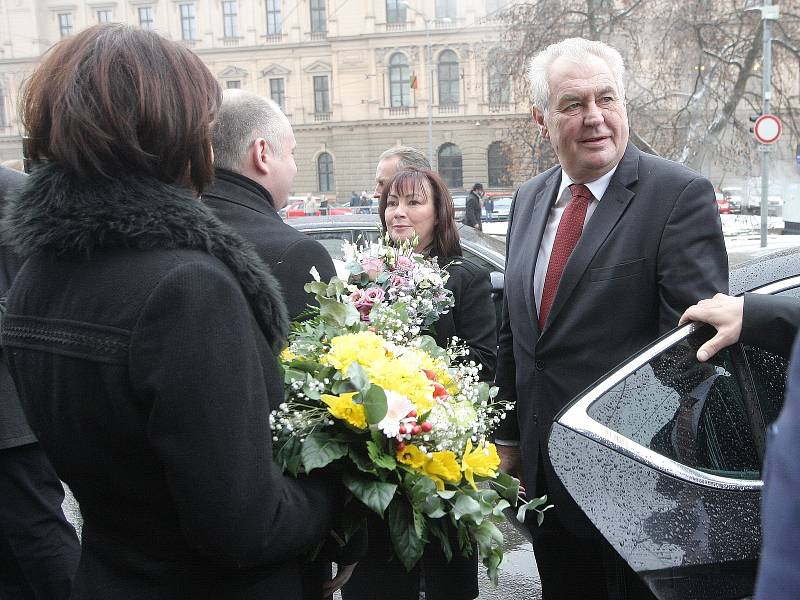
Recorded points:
(289,456)
(316,287)
(291,375)
(533,505)
(408,544)
(344,315)
(439,528)
(492,561)
(321,449)
(429,345)
(375,405)
(374,494)
(446,494)
(507,486)
(486,535)
(380,458)
(362,462)
(466,506)
(358,377)
(342,387)
(422,492)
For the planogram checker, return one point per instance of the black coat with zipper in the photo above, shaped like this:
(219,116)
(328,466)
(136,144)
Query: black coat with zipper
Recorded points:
(143,336)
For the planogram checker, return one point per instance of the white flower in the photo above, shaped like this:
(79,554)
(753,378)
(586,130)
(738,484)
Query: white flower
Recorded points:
(398,407)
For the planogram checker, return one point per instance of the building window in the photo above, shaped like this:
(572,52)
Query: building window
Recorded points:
(446,9)
(395,11)
(449,160)
(448,78)
(233,84)
(318,17)
(274,17)
(104,15)
(65,24)
(188,22)
(499,83)
(498,157)
(399,84)
(325,172)
(230,19)
(146,18)
(277,92)
(322,98)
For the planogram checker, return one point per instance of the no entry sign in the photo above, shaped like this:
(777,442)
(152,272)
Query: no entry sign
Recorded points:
(767,129)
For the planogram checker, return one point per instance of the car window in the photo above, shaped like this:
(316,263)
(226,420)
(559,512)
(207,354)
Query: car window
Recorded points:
(693,413)
(474,258)
(332,240)
(769,374)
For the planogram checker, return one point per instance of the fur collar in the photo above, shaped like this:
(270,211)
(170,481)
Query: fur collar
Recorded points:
(59,213)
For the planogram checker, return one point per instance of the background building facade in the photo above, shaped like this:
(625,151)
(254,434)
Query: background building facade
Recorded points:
(354,76)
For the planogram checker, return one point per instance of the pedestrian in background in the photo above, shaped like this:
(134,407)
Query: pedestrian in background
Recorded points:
(39,549)
(310,206)
(472,209)
(143,334)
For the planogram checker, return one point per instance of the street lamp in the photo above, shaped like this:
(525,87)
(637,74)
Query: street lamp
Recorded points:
(429,58)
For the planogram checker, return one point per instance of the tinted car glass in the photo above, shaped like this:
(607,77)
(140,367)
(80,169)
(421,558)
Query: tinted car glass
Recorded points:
(769,374)
(693,413)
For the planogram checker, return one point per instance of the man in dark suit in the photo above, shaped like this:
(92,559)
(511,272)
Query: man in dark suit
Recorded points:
(604,253)
(763,320)
(39,549)
(472,207)
(254,172)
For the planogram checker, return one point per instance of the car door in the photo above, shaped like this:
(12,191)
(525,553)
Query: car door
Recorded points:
(664,456)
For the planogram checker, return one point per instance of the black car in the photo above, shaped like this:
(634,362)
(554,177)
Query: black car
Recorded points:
(664,453)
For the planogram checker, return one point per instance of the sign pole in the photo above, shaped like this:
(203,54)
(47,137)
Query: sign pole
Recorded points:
(768,14)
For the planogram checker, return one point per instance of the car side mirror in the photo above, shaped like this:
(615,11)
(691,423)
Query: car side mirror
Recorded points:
(498,283)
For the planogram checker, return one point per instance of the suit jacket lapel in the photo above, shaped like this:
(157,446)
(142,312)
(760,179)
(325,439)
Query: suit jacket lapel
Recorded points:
(605,217)
(541,209)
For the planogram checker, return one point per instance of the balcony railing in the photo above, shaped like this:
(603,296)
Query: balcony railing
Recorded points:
(230,42)
(400,26)
(275,38)
(318,35)
(399,111)
(448,108)
(498,107)
(322,116)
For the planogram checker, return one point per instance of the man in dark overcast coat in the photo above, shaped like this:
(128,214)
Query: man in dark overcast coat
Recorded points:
(605,252)
(254,172)
(39,549)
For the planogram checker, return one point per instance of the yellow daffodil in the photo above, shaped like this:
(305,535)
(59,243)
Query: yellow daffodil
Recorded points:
(482,461)
(363,347)
(412,456)
(401,375)
(287,355)
(441,467)
(343,408)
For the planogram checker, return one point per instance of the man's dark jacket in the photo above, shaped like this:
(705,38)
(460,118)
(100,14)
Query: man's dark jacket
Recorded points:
(143,335)
(247,208)
(14,429)
(652,248)
(472,210)
(770,322)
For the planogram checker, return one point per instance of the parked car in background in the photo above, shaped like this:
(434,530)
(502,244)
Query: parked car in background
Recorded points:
(664,454)
(460,205)
(500,209)
(723,205)
(295,208)
(753,206)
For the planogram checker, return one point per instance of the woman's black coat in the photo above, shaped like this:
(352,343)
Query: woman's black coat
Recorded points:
(142,335)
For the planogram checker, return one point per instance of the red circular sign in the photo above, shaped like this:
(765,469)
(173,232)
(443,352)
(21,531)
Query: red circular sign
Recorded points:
(768,129)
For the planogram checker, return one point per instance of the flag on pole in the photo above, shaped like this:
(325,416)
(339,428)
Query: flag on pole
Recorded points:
(413,82)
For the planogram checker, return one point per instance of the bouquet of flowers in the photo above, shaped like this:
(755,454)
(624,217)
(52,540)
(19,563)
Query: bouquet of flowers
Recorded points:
(406,420)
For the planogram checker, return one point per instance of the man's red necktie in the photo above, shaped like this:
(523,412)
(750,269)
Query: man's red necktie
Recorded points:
(569,232)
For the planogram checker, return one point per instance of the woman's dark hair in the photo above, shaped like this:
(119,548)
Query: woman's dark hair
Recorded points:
(445,235)
(116,100)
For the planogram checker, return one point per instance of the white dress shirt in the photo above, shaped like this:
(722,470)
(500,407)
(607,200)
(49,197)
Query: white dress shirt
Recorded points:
(598,187)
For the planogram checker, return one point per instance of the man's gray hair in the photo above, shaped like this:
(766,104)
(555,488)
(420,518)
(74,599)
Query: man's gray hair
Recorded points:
(407,157)
(576,49)
(244,117)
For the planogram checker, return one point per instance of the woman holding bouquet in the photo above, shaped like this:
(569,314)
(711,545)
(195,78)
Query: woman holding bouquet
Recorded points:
(143,335)
(416,203)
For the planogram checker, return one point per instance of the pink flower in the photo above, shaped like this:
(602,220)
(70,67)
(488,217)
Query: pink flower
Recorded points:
(403,262)
(373,266)
(357,298)
(374,294)
(399,281)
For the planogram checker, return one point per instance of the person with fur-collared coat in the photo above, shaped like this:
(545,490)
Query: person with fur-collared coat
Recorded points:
(143,334)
